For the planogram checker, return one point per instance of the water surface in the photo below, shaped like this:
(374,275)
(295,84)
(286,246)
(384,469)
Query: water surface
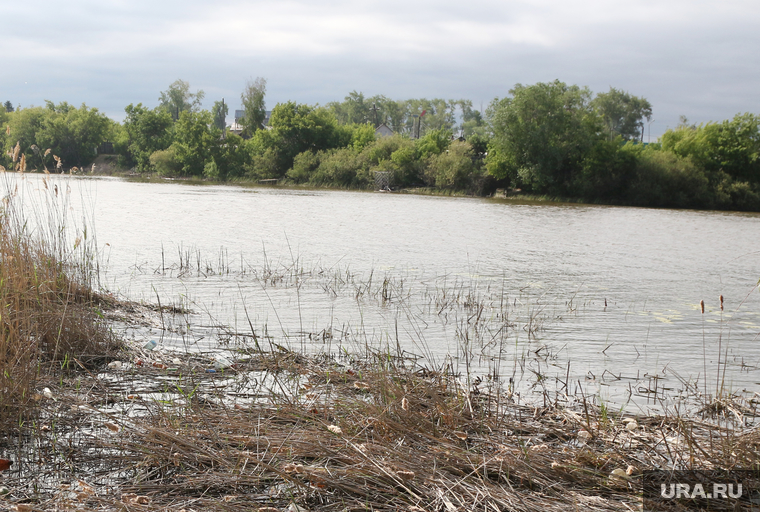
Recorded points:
(614,291)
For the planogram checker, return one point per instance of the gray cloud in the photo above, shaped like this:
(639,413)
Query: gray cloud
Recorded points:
(694,58)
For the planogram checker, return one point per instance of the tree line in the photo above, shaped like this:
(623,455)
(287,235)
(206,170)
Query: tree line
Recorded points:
(546,139)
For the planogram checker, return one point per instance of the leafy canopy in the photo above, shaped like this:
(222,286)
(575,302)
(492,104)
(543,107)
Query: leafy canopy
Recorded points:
(542,133)
(147,131)
(178,98)
(622,113)
(254,107)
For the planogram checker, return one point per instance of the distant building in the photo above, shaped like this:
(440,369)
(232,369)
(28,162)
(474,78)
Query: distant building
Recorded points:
(239,114)
(383,131)
(237,128)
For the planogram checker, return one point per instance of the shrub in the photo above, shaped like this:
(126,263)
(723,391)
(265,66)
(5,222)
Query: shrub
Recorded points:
(304,164)
(606,171)
(664,179)
(451,169)
(384,147)
(264,165)
(166,161)
(407,166)
(434,142)
(341,167)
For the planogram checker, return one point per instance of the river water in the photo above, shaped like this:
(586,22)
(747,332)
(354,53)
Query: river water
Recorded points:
(605,297)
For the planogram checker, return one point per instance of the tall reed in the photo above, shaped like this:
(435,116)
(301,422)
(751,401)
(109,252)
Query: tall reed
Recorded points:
(48,309)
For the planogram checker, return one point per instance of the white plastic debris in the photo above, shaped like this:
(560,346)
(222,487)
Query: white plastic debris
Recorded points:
(221,362)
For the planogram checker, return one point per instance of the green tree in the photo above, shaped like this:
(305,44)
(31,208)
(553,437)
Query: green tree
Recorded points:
(219,113)
(439,114)
(434,142)
(622,113)
(353,110)
(8,106)
(729,147)
(405,165)
(230,157)
(607,170)
(356,109)
(393,113)
(362,135)
(24,124)
(473,122)
(147,131)
(542,134)
(254,107)
(196,141)
(296,128)
(73,134)
(178,98)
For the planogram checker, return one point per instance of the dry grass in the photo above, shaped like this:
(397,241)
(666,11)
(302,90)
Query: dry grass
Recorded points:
(380,433)
(48,311)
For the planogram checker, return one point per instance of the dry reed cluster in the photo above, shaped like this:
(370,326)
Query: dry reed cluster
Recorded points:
(48,310)
(320,434)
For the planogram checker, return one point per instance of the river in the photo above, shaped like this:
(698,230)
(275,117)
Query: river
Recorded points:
(496,286)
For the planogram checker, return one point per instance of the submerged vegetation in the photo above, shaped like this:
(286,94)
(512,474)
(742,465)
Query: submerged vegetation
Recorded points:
(547,139)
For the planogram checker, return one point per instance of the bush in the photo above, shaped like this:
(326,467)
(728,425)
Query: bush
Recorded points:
(434,142)
(407,166)
(166,162)
(384,147)
(606,171)
(341,167)
(738,195)
(452,169)
(211,170)
(265,165)
(304,165)
(363,135)
(664,179)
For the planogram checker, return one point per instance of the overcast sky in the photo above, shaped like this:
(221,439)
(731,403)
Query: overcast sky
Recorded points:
(695,58)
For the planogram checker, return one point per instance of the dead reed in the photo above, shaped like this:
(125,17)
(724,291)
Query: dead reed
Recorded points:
(49,313)
(293,432)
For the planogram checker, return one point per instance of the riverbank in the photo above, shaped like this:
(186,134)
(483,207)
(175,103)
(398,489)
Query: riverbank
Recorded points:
(503,194)
(254,429)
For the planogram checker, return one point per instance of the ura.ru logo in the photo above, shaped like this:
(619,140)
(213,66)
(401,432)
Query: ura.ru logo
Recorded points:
(724,491)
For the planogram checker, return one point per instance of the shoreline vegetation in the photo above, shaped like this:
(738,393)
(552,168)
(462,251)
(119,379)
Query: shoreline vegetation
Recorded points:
(547,140)
(95,422)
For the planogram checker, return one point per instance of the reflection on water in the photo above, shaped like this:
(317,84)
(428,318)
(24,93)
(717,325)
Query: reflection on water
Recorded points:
(472,282)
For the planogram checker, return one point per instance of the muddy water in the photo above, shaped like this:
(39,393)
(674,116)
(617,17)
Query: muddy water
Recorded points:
(517,289)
